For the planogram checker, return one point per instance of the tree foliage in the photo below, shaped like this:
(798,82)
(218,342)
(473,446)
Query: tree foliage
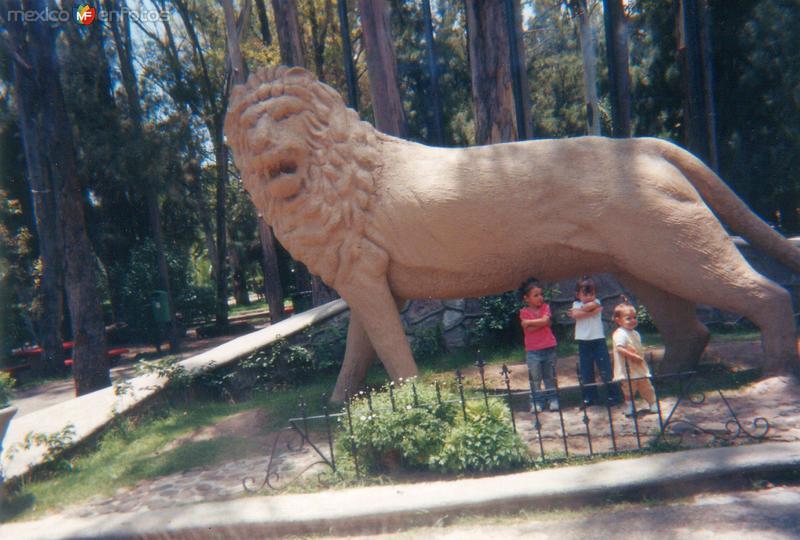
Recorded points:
(181,67)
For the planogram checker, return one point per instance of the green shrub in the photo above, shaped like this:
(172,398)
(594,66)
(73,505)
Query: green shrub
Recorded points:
(196,304)
(404,436)
(280,363)
(421,432)
(134,279)
(485,442)
(427,344)
(6,392)
(499,319)
(645,319)
(327,347)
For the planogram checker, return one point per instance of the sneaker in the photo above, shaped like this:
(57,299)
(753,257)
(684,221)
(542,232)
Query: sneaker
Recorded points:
(554,407)
(653,409)
(631,411)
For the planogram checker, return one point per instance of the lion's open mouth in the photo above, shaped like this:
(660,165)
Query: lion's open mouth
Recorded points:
(282,167)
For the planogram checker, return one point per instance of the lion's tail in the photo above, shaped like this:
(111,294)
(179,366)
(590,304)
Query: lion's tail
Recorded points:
(730,208)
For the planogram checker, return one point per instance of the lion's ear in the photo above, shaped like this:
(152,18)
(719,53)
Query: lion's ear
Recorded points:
(339,124)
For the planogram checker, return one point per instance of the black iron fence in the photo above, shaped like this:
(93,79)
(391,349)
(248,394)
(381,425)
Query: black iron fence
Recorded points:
(690,410)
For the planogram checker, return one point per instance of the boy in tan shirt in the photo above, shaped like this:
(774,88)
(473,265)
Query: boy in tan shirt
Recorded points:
(628,349)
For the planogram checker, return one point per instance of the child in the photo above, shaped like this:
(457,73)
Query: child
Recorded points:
(590,335)
(628,346)
(540,345)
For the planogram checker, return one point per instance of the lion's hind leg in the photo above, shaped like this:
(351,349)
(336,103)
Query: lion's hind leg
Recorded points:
(359,356)
(701,264)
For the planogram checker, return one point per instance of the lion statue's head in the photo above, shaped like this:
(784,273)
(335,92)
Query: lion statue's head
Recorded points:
(306,160)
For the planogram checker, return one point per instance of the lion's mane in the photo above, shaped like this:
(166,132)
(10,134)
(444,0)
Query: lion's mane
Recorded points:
(323,224)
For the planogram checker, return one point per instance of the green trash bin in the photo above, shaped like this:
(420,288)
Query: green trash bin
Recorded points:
(160,304)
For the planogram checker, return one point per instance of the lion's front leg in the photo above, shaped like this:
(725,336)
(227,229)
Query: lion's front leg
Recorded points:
(358,358)
(374,319)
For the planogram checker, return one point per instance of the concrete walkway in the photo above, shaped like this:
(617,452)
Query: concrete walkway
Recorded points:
(386,508)
(89,413)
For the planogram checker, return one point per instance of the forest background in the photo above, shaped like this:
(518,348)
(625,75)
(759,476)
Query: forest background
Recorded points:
(163,205)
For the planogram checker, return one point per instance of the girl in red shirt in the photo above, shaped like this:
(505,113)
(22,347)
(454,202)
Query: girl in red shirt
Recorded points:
(540,346)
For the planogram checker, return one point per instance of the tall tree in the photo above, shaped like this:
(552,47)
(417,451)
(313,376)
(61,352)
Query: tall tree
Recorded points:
(382,67)
(290,37)
(41,107)
(618,73)
(580,11)
(496,117)
(694,52)
(125,55)
(433,74)
(44,194)
(320,24)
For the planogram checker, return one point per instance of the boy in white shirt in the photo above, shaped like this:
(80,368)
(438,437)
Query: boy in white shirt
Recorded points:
(590,335)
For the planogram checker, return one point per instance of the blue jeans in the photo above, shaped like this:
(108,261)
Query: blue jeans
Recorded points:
(591,351)
(542,369)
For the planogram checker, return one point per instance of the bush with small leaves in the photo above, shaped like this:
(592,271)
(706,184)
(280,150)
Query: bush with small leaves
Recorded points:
(427,344)
(54,444)
(6,386)
(484,442)
(398,429)
(280,363)
(414,427)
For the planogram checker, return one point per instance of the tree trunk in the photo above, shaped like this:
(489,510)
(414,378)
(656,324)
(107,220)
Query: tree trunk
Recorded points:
(618,75)
(491,72)
(221,313)
(43,195)
(319,36)
(708,86)
(273,291)
(204,214)
(694,51)
(382,68)
(689,48)
(90,364)
(263,23)
(347,55)
(437,136)
(239,279)
(125,54)
(290,38)
(580,10)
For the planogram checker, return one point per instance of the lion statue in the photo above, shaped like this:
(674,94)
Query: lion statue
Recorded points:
(384,220)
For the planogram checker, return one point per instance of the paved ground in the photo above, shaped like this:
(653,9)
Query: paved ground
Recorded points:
(768,514)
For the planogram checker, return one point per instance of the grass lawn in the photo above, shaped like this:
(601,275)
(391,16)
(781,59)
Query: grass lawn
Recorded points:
(124,456)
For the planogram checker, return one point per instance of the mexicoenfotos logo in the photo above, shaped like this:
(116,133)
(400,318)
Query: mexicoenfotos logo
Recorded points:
(84,12)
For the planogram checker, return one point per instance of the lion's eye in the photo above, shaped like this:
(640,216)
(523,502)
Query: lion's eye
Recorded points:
(283,115)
